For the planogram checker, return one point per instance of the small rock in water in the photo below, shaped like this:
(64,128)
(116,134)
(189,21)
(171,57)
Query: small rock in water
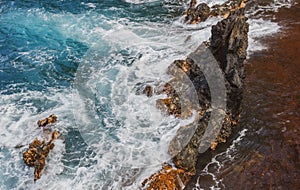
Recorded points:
(43,122)
(197,14)
(35,156)
(148,91)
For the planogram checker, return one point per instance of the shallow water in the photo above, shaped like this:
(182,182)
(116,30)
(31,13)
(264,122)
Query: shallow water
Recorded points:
(263,153)
(84,62)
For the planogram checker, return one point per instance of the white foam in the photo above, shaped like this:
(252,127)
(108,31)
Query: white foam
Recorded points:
(140,1)
(217,163)
(263,27)
(211,2)
(258,29)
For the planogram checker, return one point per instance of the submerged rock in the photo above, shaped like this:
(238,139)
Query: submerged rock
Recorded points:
(148,90)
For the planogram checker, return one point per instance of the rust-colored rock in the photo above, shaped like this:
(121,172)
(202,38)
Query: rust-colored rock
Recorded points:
(168,178)
(37,153)
(46,121)
(195,14)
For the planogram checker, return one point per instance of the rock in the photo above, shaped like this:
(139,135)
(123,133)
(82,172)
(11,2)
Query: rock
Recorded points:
(35,156)
(170,105)
(148,90)
(30,156)
(167,178)
(194,15)
(43,122)
(19,146)
(229,42)
(197,14)
(228,45)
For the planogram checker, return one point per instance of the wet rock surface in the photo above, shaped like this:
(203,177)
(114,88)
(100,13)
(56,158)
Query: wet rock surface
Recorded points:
(168,178)
(148,91)
(46,121)
(199,13)
(272,98)
(228,45)
(195,14)
(38,151)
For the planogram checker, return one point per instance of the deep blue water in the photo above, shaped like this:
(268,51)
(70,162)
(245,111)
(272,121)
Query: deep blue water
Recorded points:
(27,31)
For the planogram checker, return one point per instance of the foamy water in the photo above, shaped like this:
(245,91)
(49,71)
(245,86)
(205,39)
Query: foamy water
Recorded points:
(88,66)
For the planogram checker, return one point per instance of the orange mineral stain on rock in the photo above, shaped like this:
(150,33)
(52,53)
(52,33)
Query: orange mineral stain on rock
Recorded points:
(35,156)
(46,121)
(168,178)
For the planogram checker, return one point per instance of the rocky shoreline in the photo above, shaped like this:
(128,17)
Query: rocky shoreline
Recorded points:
(273,161)
(228,48)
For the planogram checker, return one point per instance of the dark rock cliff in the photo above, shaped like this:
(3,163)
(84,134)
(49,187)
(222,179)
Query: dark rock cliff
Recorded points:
(228,45)
(227,48)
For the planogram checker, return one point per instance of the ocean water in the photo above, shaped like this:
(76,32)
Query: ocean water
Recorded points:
(85,61)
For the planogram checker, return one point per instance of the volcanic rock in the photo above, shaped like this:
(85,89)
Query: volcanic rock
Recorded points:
(46,121)
(195,14)
(228,47)
(35,156)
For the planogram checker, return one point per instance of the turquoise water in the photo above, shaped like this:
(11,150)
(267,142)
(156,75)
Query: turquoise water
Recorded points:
(64,57)
(85,61)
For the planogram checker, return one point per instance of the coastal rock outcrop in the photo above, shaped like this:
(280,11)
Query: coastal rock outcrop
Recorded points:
(228,45)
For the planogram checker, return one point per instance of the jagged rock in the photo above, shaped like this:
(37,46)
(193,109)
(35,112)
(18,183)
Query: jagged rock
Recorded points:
(167,178)
(228,46)
(171,104)
(43,122)
(195,14)
(37,153)
(30,156)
